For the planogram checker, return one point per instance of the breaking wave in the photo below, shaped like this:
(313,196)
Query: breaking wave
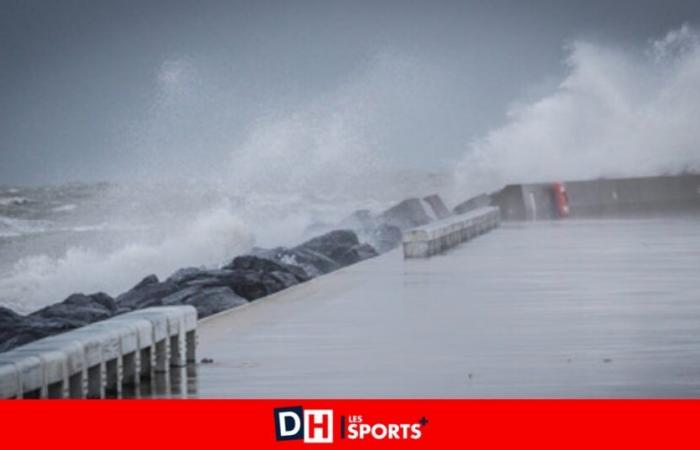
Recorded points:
(38,280)
(616,113)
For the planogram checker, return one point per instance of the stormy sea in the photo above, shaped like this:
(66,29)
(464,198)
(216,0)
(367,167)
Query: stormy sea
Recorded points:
(105,237)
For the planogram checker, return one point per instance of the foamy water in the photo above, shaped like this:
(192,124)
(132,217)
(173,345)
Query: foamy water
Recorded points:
(111,237)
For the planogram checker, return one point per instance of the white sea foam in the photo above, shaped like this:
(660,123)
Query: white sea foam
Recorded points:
(13,201)
(64,208)
(35,281)
(10,226)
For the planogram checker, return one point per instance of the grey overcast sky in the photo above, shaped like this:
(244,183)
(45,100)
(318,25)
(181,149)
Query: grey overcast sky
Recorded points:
(97,90)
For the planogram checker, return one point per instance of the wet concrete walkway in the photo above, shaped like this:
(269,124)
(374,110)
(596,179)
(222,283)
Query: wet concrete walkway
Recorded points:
(573,308)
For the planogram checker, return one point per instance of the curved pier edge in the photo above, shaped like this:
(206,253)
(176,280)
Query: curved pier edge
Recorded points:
(101,357)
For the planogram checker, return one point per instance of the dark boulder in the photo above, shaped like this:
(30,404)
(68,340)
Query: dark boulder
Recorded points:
(9,318)
(249,276)
(252,262)
(79,309)
(76,311)
(147,281)
(254,276)
(214,300)
(341,246)
(249,284)
(246,278)
(148,292)
(207,301)
(16,330)
(186,274)
(252,284)
(323,254)
(180,297)
(311,262)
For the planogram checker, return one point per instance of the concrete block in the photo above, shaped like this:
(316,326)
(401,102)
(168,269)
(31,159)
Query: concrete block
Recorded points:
(10,381)
(437,237)
(122,367)
(100,356)
(76,367)
(30,371)
(603,198)
(181,326)
(54,367)
(100,346)
(146,345)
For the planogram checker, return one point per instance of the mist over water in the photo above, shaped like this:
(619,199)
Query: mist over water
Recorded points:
(199,191)
(618,112)
(197,197)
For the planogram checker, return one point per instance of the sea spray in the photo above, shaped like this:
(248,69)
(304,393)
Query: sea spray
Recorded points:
(304,164)
(616,113)
(38,280)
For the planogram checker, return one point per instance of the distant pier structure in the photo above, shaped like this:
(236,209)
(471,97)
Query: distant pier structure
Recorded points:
(641,196)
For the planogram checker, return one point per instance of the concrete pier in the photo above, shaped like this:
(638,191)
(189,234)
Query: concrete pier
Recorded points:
(619,197)
(591,308)
(102,357)
(436,237)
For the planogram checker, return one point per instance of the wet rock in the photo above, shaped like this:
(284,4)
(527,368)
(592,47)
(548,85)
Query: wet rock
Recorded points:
(148,292)
(313,263)
(147,281)
(76,311)
(207,281)
(354,254)
(409,213)
(207,301)
(246,278)
(252,285)
(340,246)
(79,309)
(323,254)
(214,300)
(180,297)
(282,270)
(249,276)
(16,330)
(186,274)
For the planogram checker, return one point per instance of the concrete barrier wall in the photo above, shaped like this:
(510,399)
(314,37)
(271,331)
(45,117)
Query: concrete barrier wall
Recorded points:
(104,356)
(603,198)
(634,196)
(434,238)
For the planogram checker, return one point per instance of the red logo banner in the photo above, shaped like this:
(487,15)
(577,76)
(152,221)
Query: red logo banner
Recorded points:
(383,424)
